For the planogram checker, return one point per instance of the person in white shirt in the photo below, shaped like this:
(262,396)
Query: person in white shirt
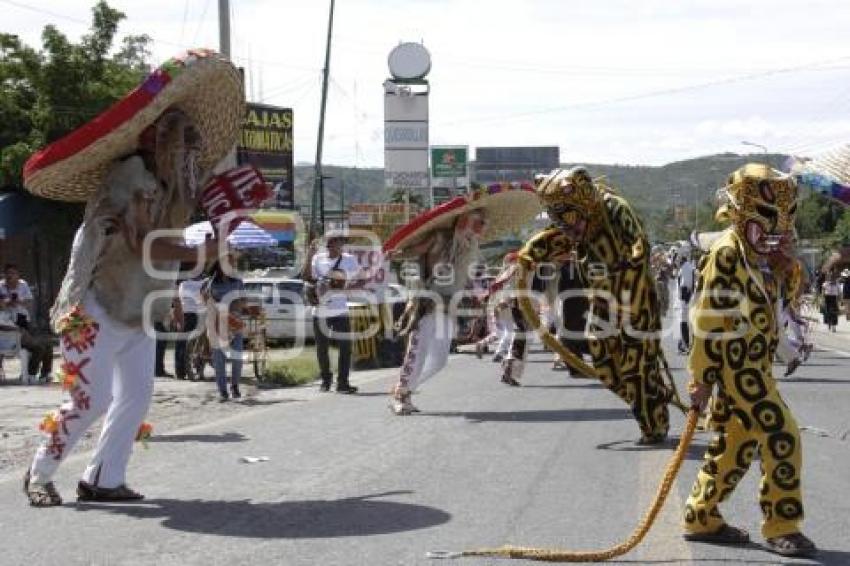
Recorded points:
(333,271)
(687,280)
(189,293)
(17,301)
(18,295)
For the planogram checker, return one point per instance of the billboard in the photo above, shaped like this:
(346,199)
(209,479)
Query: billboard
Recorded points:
(449,161)
(495,164)
(265,142)
(381,218)
(406,135)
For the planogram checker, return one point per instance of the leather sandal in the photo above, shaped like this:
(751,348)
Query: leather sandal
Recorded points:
(41,495)
(651,439)
(726,534)
(88,492)
(794,544)
(508,380)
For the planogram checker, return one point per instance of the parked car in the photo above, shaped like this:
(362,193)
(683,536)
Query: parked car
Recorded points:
(287,316)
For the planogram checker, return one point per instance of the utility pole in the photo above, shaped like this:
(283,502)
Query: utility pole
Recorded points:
(230,159)
(224,27)
(317,181)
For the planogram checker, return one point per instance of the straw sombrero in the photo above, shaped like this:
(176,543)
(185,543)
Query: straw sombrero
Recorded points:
(201,83)
(828,173)
(509,206)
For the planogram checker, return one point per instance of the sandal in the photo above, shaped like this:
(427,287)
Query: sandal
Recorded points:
(651,439)
(724,535)
(794,544)
(508,380)
(88,492)
(41,495)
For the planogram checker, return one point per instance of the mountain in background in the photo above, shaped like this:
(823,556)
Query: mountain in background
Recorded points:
(672,199)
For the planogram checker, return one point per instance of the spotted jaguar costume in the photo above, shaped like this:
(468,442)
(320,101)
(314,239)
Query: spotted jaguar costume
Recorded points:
(613,254)
(735,337)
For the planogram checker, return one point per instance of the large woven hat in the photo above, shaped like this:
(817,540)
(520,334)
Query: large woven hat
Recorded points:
(828,173)
(509,206)
(201,83)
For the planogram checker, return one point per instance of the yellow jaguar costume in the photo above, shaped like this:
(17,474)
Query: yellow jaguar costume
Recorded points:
(613,254)
(735,337)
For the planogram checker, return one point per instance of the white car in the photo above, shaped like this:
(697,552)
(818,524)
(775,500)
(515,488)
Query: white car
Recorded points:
(287,316)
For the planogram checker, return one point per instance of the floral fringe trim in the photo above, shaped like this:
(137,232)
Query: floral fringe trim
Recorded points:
(144,434)
(78,330)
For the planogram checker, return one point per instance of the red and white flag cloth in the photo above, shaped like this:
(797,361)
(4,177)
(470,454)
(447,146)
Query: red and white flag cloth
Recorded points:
(239,188)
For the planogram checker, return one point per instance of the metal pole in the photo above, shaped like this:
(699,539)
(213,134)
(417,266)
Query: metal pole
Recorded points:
(224,27)
(342,199)
(317,187)
(322,202)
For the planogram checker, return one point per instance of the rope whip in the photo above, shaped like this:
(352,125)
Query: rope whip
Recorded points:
(646,522)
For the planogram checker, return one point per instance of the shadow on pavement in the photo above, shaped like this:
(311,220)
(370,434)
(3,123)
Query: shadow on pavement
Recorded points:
(541,416)
(226,437)
(583,384)
(831,557)
(695,451)
(252,402)
(354,516)
(811,380)
(700,560)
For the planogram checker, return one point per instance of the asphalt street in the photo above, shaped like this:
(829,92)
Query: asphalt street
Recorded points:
(549,464)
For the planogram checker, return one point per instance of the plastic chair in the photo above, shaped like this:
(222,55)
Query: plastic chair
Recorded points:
(10,346)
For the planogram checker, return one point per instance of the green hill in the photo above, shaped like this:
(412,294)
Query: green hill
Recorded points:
(672,199)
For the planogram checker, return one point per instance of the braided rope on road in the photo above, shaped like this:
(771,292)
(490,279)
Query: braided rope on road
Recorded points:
(646,522)
(558,555)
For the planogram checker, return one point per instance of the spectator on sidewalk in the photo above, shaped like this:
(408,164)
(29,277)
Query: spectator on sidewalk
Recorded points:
(18,295)
(172,322)
(830,301)
(221,292)
(334,271)
(845,292)
(16,300)
(687,281)
(189,294)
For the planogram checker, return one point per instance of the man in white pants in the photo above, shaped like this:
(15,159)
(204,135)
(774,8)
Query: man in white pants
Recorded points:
(687,282)
(100,313)
(444,243)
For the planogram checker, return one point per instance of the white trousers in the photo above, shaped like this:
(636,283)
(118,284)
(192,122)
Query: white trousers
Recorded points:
(115,377)
(786,350)
(428,349)
(505,325)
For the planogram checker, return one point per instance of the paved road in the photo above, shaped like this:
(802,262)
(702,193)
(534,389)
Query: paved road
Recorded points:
(346,483)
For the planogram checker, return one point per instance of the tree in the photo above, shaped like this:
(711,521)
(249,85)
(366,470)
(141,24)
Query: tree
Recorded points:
(45,94)
(841,236)
(817,216)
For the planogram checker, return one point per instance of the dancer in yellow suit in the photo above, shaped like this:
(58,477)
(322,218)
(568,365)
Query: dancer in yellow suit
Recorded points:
(735,337)
(613,258)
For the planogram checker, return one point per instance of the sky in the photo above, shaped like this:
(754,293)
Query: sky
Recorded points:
(608,81)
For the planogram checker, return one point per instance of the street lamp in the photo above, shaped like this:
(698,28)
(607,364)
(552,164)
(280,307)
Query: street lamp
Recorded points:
(758,145)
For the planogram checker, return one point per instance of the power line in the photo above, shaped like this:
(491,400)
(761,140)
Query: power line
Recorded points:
(185,14)
(645,95)
(200,21)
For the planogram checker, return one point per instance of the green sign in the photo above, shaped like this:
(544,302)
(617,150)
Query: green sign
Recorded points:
(448,161)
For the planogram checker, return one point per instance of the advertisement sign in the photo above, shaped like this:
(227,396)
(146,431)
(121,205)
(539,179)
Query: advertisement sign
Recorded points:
(514,164)
(406,169)
(265,142)
(406,135)
(380,218)
(449,161)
